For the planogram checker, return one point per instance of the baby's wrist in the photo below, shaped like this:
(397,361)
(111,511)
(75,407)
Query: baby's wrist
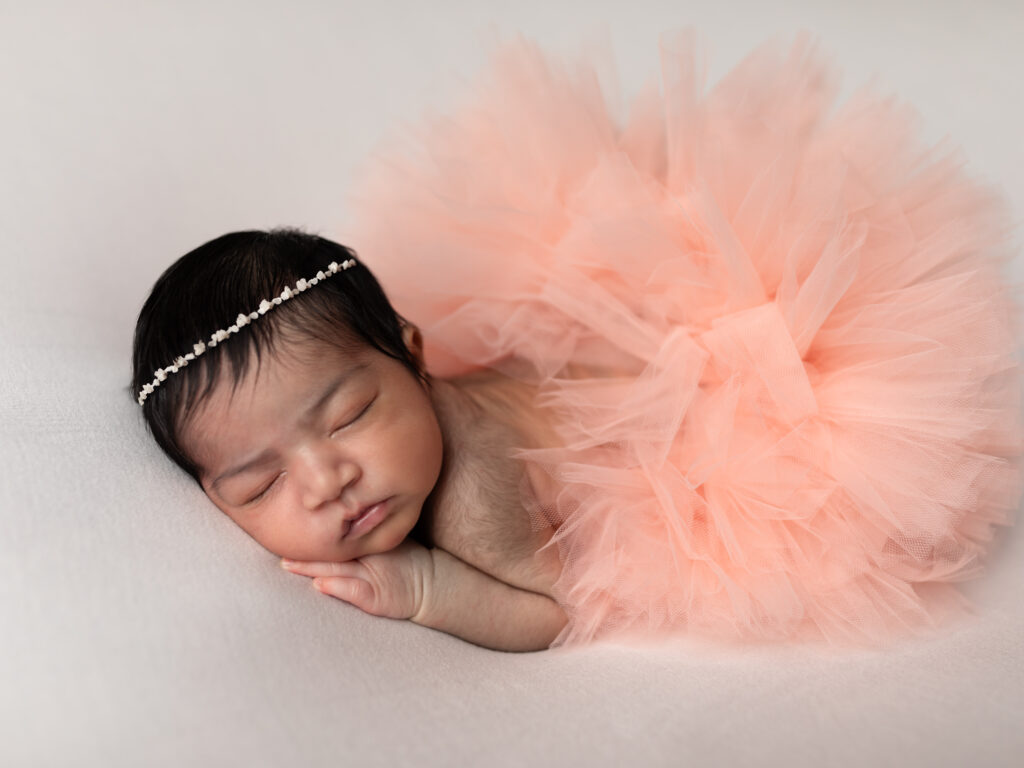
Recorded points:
(426,611)
(443,582)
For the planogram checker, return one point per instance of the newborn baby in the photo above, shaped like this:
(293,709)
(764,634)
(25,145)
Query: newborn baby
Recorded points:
(320,433)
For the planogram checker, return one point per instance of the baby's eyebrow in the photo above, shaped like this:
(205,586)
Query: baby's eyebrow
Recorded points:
(267,454)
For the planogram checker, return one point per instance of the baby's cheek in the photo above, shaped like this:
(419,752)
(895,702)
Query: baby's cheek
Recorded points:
(423,449)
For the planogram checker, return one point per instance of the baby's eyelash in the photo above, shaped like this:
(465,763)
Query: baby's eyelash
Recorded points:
(355,418)
(264,492)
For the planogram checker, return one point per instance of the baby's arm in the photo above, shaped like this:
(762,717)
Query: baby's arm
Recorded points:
(434,588)
(468,603)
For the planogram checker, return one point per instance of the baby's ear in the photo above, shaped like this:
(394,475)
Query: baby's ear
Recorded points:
(413,340)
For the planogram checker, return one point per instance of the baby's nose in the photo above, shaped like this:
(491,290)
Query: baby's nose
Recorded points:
(322,474)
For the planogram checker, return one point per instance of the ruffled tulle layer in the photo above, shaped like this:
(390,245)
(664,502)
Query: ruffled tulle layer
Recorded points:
(779,338)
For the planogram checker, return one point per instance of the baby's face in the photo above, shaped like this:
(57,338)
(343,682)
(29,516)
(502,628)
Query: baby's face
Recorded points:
(313,439)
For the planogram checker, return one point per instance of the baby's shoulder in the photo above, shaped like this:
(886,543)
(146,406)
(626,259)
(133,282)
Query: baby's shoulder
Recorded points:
(480,509)
(498,540)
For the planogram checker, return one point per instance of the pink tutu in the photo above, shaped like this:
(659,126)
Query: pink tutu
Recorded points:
(779,340)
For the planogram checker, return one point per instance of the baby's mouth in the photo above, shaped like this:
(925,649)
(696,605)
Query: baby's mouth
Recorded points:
(347,527)
(360,516)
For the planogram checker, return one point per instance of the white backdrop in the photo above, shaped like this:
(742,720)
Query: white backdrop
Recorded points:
(138,626)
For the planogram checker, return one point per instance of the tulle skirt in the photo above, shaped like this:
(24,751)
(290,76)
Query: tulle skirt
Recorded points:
(779,337)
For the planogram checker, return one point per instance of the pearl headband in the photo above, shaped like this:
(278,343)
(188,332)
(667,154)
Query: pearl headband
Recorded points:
(242,320)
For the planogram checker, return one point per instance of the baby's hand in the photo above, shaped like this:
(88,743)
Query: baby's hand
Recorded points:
(390,584)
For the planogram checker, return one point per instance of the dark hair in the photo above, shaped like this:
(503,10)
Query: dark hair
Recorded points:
(207,288)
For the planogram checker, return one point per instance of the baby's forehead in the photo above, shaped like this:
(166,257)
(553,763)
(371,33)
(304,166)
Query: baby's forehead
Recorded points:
(287,358)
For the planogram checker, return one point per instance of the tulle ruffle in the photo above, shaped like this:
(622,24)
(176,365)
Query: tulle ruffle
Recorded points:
(779,339)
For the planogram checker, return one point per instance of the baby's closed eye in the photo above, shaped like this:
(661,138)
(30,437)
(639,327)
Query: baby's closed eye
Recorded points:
(350,420)
(263,490)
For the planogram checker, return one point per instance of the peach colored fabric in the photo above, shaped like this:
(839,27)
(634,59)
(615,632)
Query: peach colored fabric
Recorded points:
(778,335)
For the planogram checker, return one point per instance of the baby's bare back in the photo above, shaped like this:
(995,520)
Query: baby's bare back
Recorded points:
(487,509)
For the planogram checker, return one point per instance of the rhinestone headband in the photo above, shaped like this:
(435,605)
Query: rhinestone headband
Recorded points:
(160,374)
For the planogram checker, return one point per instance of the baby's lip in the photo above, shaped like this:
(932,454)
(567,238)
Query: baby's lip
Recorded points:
(359,513)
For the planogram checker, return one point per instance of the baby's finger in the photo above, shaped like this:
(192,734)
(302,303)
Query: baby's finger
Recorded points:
(354,591)
(314,568)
